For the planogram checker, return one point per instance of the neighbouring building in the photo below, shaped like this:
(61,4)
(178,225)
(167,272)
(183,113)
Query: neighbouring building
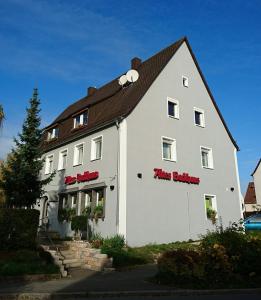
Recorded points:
(150,156)
(250,200)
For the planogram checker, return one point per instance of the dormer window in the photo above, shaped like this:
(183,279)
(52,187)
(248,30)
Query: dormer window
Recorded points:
(52,133)
(80,120)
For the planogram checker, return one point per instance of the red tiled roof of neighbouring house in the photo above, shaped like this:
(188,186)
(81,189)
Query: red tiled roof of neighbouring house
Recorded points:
(250,197)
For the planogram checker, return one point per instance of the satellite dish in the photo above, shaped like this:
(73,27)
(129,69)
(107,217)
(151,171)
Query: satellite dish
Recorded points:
(132,75)
(123,80)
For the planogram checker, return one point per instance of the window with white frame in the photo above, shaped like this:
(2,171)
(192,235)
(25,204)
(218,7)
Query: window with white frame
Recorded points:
(206,157)
(49,164)
(80,120)
(173,108)
(52,133)
(211,207)
(185,81)
(62,159)
(169,149)
(199,117)
(73,200)
(78,155)
(96,150)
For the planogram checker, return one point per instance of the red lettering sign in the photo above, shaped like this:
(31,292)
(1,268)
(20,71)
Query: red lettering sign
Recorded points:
(86,176)
(175,176)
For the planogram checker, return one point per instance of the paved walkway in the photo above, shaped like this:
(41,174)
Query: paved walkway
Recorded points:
(84,281)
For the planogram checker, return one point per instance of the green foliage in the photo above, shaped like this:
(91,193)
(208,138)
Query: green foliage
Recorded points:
(2,116)
(180,266)
(20,181)
(66,214)
(26,262)
(79,223)
(18,228)
(98,212)
(116,242)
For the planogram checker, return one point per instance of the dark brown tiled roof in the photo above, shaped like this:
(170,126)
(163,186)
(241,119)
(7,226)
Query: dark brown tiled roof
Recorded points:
(256,167)
(111,101)
(250,197)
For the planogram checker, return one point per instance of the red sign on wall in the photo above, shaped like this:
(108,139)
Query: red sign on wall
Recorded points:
(86,176)
(175,176)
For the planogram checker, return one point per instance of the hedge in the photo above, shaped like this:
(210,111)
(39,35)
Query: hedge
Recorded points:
(18,228)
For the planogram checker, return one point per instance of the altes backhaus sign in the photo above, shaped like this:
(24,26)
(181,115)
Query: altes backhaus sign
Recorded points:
(86,176)
(175,176)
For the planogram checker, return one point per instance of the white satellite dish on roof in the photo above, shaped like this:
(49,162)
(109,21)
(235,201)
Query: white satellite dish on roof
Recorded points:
(132,75)
(123,80)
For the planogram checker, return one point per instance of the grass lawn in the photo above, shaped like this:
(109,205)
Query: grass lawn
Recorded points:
(26,262)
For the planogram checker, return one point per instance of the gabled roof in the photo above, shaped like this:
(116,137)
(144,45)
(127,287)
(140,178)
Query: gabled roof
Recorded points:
(111,101)
(250,197)
(256,167)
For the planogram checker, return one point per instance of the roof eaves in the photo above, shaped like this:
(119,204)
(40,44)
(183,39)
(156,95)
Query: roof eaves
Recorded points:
(256,167)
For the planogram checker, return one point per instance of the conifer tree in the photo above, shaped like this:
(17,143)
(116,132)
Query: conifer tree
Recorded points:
(21,180)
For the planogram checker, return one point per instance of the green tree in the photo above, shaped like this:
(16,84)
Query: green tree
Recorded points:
(21,179)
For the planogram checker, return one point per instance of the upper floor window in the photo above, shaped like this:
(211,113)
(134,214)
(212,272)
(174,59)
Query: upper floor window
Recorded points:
(173,108)
(169,149)
(199,117)
(49,164)
(78,155)
(185,81)
(52,133)
(96,150)
(62,159)
(80,120)
(206,157)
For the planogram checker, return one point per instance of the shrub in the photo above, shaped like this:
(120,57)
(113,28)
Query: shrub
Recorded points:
(66,214)
(180,266)
(18,228)
(79,223)
(116,242)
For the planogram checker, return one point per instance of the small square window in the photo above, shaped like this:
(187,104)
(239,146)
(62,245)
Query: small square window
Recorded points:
(199,117)
(96,151)
(206,158)
(81,120)
(211,207)
(185,81)
(52,133)
(173,108)
(168,149)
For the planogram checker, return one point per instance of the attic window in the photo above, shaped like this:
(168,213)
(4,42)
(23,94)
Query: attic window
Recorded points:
(80,120)
(185,81)
(52,134)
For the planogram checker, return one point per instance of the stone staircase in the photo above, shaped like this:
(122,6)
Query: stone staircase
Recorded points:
(75,254)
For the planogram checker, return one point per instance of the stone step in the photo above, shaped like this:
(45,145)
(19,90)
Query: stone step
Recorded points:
(74,265)
(70,261)
(67,252)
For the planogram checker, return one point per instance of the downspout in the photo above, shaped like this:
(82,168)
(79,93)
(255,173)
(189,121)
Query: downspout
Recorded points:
(117,124)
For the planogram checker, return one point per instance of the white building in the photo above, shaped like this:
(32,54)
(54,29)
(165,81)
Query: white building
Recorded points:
(155,154)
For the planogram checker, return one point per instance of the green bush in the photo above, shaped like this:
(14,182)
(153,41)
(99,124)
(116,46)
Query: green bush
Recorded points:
(66,214)
(79,223)
(116,242)
(18,228)
(180,266)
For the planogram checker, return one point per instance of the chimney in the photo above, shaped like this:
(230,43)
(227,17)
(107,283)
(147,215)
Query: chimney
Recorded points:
(135,63)
(91,90)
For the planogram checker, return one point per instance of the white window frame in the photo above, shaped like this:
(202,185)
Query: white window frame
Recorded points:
(73,197)
(60,167)
(202,119)
(210,157)
(81,119)
(51,133)
(47,169)
(77,163)
(185,81)
(176,111)
(94,149)
(173,148)
(214,208)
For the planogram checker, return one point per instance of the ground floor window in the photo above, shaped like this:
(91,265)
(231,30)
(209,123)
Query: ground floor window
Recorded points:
(211,207)
(94,202)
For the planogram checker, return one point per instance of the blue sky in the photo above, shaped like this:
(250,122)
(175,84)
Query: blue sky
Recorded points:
(62,47)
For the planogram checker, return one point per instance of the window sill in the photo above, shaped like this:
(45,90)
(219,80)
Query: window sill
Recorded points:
(94,159)
(172,117)
(51,140)
(79,127)
(208,168)
(61,169)
(171,160)
(76,165)
(202,126)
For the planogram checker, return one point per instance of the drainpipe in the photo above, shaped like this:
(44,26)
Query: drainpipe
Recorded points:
(117,124)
